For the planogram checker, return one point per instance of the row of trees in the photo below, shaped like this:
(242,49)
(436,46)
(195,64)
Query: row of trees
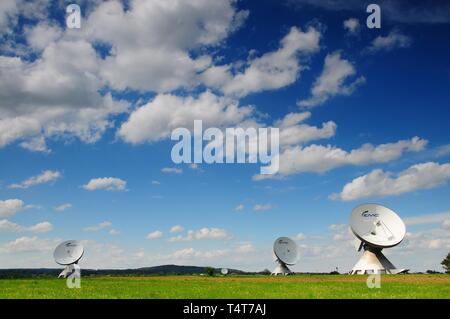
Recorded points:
(445,264)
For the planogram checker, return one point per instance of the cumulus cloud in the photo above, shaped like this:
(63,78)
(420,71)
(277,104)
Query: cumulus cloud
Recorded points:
(177,229)
(154,235)
(203,233)
(156,120)
(42,227)
(434,239)
(352,25)
(171,170)
(393,40)
(293,133)
(239,208)
(61,93)
(428,219)
(379,183)
(190,253)
(270,71)
(446,223)
(320,158)
(11,9)
(114,232)
(47,176)
(10,207)
(10,226)
(443,150)
(106,183)
(35,144)
(170,66)
(28,244)
(98,227)
(333,81)
(56,95)
(42,35)
(300,236)
(63,207)
(245,248)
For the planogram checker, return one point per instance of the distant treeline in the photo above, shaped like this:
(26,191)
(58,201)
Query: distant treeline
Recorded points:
(147,271)
(164,270)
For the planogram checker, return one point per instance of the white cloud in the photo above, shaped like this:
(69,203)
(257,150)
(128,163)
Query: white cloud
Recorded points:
(98,227)
(446,223)
(262,207)
(379,183)
(293,133)
(56,95)
(156,182)
(202,234)
(10,207)
(28,244)
(10,226)
(272,70)
(320,159)
(47,176)
(106,183)
(63,207)
(191,253)
(156,120)
(114,232)
(42,35)
(393,40)
(157,57)
(239,208)
(171,170)
(36,144)
(443,150)
(427,219)
(352,25)
(434,239)
(154,235)
(300,236)
(11,9)
(245,248)
(176,229)
(332,81)
(42,227)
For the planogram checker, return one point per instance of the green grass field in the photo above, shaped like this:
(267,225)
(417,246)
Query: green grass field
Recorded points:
(252,287)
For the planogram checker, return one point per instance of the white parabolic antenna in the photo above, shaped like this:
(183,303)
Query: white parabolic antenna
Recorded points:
(286,253)
(377,227)
(68,254)
(224,271)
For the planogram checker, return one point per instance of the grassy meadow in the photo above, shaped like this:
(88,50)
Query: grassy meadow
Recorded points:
(250,287)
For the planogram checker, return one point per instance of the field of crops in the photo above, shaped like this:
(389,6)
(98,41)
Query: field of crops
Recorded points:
(192,287)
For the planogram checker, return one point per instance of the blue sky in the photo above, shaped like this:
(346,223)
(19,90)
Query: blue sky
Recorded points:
(86,116)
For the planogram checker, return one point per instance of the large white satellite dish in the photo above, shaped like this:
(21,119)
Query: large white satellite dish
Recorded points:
(224,271)
(377,227)
(68,254)
(286,253)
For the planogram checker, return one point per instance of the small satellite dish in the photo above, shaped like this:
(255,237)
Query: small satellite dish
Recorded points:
(286,253)
(224,271)
(377,227)
(67,254)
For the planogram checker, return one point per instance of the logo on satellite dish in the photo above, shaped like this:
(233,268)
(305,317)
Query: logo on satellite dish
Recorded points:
(281,241)
(369,214)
